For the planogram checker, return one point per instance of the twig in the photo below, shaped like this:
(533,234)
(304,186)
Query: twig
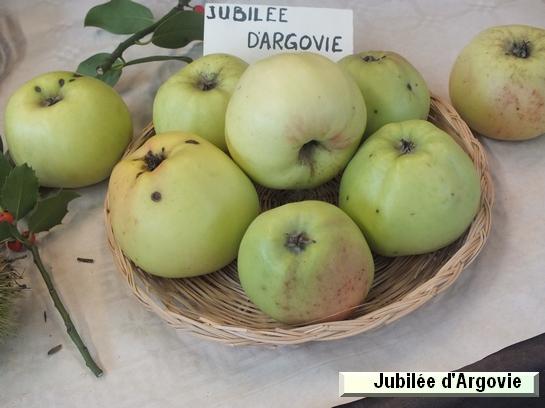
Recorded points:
(136,37)
(70,328)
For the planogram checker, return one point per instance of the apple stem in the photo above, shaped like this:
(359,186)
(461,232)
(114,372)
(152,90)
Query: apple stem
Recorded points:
(70,328)
(407,146)
(136,37)
(153,160)
(297,242)
(521,49)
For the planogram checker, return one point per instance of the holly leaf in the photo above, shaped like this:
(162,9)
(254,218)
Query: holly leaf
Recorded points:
(5,168)
(90,65)
(119,17)
(20,191)
(5,232)
(50,211)
(179,30)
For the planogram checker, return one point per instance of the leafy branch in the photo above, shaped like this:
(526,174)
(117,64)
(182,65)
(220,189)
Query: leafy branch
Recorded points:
(21,201)
(180,26)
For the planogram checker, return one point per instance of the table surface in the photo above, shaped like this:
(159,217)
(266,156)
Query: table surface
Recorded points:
(497,301)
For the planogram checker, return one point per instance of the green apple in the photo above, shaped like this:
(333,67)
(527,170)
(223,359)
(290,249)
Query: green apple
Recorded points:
(411,189)
(305,262)
(195,99)
(179,206)
(70,129)
(393,89)
(294,120)
(497,82)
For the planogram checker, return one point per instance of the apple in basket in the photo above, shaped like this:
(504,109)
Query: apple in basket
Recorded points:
(294,120)
(179,206)
(69,128)
(411,189)
(497,82)
(392,88)
(305,262)
(195,99)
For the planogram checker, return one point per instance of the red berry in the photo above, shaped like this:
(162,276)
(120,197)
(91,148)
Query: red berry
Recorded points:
(5,216)
(199,9)
(16,246)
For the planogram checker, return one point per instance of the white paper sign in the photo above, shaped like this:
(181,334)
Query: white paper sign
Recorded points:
(252,32)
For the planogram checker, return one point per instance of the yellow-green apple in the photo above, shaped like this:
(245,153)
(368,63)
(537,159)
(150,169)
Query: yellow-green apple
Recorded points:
(411,189)
(179,206)
(497,82)
(294,120)
(195,99)
(392,88)
(70,129)
(305,262)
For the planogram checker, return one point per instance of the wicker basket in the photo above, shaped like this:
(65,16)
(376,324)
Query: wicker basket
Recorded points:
(216,307)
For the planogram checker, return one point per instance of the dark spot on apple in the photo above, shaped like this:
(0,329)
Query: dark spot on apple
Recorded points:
(76,75)
(71,80)
(409,87)
(297,242)
(263,288)
(377,211)
(375,111)
(37,89)
(191,141)
(371,155)
(156,196)
(347,198)
(61,82)
(412,214)
(153,160)
(452,194)
(395,252)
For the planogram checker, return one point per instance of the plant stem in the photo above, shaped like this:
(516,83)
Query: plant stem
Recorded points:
(133,39)
(70,328)
(158,58)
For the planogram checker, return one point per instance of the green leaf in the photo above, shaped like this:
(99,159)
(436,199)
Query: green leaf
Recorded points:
(119,17)
(50,211)
(90,65)
(5,232)
(20,191)
(179,30)
(5,168)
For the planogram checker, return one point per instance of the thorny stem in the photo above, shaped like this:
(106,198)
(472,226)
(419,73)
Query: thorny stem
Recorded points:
(136,37)
(70,328)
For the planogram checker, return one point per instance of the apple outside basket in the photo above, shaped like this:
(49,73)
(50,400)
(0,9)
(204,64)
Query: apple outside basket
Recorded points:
(215,306)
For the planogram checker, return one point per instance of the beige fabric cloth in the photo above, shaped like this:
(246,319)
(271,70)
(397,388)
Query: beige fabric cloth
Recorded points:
(497,301)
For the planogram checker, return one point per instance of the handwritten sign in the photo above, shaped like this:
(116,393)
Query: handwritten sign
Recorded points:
(252,32)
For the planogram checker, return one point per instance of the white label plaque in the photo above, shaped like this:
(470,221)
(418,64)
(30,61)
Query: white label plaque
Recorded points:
(252,32)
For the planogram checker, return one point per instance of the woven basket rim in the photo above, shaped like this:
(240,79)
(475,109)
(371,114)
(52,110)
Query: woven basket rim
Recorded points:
(472,243)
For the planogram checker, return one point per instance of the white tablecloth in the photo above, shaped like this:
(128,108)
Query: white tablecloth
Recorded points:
(497,301)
